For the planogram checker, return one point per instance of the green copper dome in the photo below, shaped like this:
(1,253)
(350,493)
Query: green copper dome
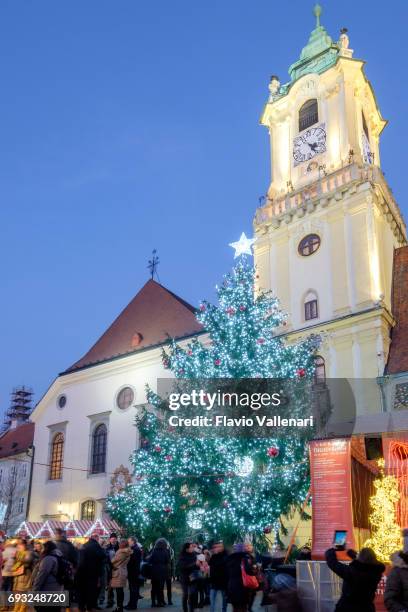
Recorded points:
(319,54)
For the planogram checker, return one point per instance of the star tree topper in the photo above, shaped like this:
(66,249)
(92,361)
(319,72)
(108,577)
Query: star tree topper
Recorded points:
(242,246)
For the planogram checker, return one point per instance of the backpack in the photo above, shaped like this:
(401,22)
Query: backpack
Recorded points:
(65,573)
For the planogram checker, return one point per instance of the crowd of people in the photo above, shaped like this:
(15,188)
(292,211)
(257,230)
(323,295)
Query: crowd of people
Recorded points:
(97,572)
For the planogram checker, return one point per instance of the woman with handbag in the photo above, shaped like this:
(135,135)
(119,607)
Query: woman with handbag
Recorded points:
(242,580)
(189,571)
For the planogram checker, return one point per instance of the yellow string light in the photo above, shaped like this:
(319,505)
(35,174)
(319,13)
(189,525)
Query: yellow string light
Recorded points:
(385,532)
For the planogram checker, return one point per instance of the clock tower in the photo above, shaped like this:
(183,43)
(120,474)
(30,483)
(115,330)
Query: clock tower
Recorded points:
(328,225)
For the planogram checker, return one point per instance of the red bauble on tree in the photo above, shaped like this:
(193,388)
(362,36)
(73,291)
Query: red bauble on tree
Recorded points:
(261,341)
(217,362)
(157,449)
(230,310)
(273,451)
(167,509)
(169,457)
(267,530)
(301,372)
(202,307)
(242,308)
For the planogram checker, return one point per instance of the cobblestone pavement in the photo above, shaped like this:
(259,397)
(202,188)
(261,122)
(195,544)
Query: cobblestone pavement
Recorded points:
(145,603)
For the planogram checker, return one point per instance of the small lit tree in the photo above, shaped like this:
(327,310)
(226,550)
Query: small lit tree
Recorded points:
(385,532)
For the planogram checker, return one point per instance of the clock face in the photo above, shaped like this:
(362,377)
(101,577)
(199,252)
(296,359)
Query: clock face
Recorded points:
(308,144)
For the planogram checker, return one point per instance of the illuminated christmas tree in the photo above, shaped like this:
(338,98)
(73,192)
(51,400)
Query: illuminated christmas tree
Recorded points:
(385,532)
(232,486)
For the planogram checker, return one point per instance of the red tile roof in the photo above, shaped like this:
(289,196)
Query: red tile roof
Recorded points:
(154,315)
(16,440)
(398,356)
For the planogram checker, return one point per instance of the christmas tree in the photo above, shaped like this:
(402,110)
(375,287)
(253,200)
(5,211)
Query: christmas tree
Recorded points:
(385,532)
(231,486)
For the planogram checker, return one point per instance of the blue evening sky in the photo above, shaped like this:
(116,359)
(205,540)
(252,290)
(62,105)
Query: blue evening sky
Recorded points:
(133,124)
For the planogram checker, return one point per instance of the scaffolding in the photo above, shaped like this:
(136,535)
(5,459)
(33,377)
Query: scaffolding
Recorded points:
(20,407)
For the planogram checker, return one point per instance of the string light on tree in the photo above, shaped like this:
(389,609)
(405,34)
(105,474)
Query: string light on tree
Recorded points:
(195,518)
(244,466)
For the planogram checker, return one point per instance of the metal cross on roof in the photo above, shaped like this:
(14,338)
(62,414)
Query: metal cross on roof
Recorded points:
(153,264)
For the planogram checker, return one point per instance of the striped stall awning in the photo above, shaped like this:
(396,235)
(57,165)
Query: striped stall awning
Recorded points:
(74,529)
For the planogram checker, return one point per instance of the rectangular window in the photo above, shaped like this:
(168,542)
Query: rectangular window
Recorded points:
(311,310)
(20,507)
(24,470)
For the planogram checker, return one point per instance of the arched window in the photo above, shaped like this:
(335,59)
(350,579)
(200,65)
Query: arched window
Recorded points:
(99,449)
(57,452)
(320,370)
(88,510)
(308,114)
(311,306)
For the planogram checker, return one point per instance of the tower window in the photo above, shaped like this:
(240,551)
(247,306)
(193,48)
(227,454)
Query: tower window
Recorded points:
(20,505)
(88,510)
(365,128)
(320,370)
(308,114)
(308,245)
(311,306)
(99,449)
(57,450)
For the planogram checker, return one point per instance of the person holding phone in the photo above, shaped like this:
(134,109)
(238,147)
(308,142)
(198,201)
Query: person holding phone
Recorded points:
(360,579)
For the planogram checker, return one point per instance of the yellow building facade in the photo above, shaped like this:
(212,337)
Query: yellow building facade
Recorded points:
(329,224)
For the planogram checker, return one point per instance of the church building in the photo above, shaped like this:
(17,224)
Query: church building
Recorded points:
(84,424)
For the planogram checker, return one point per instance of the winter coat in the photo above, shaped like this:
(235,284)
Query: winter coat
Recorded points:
(45,578)
(133,567)
(218,571)
(187,564)
(26,559)
(9,555)
(237,594)
(119,567)
(360,581)
(68,550)
(396,586)
(160,561)
(91,562)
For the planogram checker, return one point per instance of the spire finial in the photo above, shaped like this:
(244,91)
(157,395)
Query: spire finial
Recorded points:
(153,264)
(317,12)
